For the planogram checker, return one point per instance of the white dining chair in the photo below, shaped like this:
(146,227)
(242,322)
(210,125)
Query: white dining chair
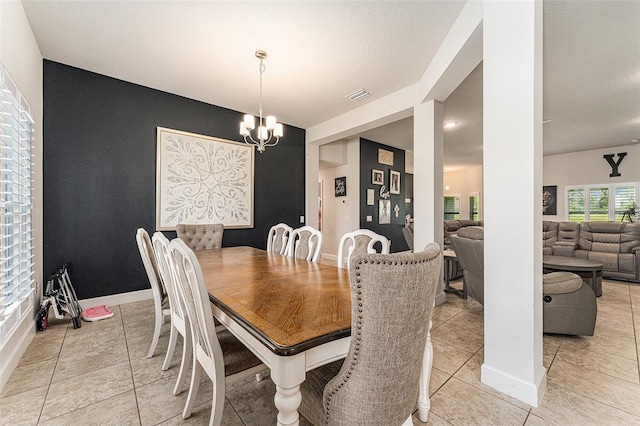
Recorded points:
(151,268)
(179,318)
(360,241)
(236,362)
(278,237)
(305,243)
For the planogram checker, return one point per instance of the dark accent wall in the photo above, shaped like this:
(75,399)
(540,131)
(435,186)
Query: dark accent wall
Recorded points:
(369,161)
(100,174)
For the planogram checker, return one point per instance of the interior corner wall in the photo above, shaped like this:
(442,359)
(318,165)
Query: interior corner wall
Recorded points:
(587,167)
(465,183)
(341,214)
(100,174)
(21,57)
(369,161)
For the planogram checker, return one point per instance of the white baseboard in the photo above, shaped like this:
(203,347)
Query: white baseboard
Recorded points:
(527,392)
(117,299)
(331,257)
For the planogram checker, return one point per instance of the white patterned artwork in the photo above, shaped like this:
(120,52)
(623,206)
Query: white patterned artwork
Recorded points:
(202,180)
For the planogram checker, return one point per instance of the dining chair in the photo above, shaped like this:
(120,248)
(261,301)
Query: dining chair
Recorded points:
(157,288)
(201,237)
(360,241)
(305,243)
(222,357)
(277,238)
(392,299)
(179,318)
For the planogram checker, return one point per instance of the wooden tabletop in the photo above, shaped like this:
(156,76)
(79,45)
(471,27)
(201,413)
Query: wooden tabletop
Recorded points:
(289,304)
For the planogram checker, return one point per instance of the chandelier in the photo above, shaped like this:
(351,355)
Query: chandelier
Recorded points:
(269,130)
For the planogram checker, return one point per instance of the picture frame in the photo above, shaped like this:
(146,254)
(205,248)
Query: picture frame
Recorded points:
(341,186)
(385,157)
(377,177)
(384,212)
(549,197)
(394,182)
(201,179)
(370,197)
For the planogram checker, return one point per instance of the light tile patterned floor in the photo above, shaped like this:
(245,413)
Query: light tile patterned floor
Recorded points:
(99,374)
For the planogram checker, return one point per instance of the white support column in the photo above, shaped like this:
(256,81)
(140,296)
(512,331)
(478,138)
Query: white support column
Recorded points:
(428,148)
(312,164)
(512,207)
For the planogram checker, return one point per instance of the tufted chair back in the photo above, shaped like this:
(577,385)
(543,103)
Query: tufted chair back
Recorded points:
(200,237)
(360,241)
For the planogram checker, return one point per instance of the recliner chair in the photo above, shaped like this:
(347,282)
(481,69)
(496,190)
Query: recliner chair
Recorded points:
(569,304)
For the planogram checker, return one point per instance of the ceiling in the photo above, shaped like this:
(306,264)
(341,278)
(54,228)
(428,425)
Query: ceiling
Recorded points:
(319,52)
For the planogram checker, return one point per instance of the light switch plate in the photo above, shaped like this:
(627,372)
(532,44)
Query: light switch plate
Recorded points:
(301,219)
(369,218)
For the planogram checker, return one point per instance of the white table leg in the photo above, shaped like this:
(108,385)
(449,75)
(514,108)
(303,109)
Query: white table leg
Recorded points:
(424,403)
(288,372)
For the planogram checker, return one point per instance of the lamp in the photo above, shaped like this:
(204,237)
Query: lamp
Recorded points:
(268,128)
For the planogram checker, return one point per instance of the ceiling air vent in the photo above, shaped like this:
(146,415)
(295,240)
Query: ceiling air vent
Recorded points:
(358,94)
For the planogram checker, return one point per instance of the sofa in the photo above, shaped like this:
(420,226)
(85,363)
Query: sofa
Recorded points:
(451,227)
(614,244)
(569,305)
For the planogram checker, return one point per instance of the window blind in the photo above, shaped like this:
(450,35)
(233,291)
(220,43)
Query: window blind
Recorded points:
(452,208)
(17,283)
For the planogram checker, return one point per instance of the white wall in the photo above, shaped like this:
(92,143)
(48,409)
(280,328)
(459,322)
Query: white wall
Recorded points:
(340,214)
(587,167)
(21,56)
(464,183)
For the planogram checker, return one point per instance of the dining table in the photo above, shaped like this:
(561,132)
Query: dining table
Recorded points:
(293,314)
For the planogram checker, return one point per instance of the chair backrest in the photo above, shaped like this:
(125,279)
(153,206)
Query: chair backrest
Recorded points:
(392,297)
(278,237)
(360,241)
(201,237)
(549,233)
(305,243)
(149,261)
(469,248)
(167,273)
(407,232)
(192,288)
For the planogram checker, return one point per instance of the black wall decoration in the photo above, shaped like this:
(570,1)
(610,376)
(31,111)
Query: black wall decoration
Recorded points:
(100,174)
(614,164)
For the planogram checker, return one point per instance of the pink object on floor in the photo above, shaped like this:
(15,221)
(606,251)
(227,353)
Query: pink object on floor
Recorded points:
(97,313)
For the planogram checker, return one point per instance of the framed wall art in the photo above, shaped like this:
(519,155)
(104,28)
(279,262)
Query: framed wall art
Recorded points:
(202,179)
(377,177)
(549,196)
(384,212)
(394,182)
(385,157)
(341,186)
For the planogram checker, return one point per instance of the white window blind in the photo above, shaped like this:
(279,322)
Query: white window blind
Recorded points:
(452,208)
(17,283)
(601,202)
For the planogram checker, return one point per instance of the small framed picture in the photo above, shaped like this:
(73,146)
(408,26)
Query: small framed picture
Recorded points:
(341,186)
(370,197)
(394,182)
(384,212)
(377,177)
(385,157)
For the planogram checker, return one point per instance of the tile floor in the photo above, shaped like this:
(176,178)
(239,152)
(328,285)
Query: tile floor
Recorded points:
(99,374)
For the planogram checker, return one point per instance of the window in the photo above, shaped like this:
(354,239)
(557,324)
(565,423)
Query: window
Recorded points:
(473,207)
(17,282)
(600,202)
(452,208)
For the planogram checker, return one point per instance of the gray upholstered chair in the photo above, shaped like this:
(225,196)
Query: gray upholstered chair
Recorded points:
(407,232)
(147,254)
(305,243)
(360,241)
(222,357)
(569,304)
(201,237)
(278,237)
(392,297)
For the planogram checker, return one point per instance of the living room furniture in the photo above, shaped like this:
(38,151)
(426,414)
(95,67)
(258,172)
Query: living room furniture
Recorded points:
(392,299)
(278,238)
(360,241)
(450,259)
(614,244)
(590,272)
(305,243)
(201,237)
(569,305)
